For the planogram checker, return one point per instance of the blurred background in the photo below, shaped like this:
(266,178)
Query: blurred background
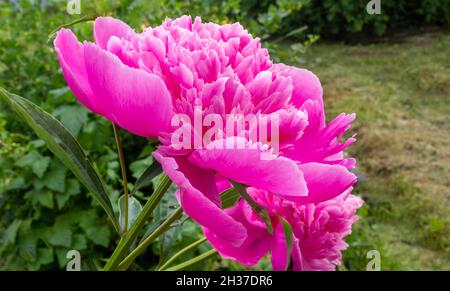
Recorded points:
(392,69)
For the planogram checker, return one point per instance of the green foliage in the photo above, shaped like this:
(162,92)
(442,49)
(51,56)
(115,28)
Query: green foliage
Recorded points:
(348,19)
(65,147)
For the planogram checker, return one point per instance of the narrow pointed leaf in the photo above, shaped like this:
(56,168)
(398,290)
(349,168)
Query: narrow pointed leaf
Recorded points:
(288,234)
(62,143)
(146,178)
(229,197)
(260,210)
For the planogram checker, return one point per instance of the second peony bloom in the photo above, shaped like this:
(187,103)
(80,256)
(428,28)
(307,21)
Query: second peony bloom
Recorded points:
(185,70)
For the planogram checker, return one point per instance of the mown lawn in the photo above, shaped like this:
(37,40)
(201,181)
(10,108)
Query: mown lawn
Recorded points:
(400,91)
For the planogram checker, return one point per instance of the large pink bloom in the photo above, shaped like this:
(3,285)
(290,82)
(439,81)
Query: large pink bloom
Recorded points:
(318,231)
(141,80)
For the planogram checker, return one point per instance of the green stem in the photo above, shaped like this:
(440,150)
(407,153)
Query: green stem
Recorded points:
(183,251)
(124,172)
(154,235)
(147,210)
(193,261)
(80,20)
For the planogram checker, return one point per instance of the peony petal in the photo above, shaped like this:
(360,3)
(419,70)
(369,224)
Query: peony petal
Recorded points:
(255,246)
(320,142)
(136,100)
(325,181)
(71,57)
(200,199)
(279,250)
(297,255)
(106,27)
(292,122)
(247,167)
(306,84)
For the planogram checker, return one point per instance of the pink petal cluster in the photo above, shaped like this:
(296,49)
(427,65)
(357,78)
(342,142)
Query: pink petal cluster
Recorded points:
(141,80)
(319,230)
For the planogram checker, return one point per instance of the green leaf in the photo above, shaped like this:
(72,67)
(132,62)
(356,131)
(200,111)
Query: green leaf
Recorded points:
(28,246)
(146,178)
(40,166)
(89,264)
(9,236)
(138,167)
(134,208)
(36,161)
(99,234)
(44,198)
(87,218)
(64,146)
(229,197)
(288,234)
(73,188)
(72,117)
(61,257)
(60,92)
(55,179)
(16,183)
(45,256)
(60,234)
(79,242)
(168,239)
(260,210)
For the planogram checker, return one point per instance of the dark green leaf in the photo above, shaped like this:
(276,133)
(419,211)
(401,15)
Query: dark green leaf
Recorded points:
(28,246)
(16,183)
(146,178)
(55,178)
(59,234)
(42,197)
(73,188)
(40,166)
(36,161)
(168,240)
(61,257)
(89,264)
(9,236)
(45,256)
(99,234)
(79,242)
(63,145)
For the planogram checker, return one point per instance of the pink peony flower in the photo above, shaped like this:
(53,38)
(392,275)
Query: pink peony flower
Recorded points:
(191,70)
(318,231)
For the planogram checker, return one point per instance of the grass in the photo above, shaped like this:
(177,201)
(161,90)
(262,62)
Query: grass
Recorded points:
(400,92)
